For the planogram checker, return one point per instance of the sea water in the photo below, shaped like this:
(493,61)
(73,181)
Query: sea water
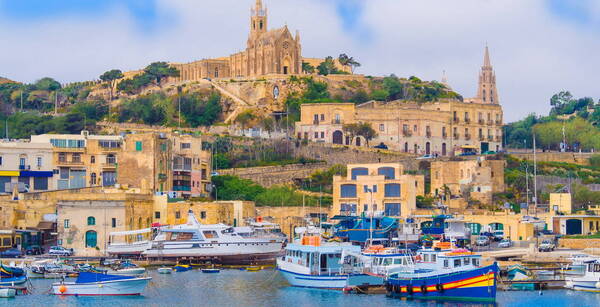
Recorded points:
(268,288)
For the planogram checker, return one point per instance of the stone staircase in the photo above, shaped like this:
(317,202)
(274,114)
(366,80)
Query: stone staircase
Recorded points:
(240,104)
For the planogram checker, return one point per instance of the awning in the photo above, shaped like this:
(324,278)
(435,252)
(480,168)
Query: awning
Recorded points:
(36,174)
(43,225)
(9,173)
(469,147)
(130,232)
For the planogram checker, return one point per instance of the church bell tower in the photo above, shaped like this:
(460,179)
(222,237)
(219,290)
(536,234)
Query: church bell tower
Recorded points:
(487,91)
(258,20)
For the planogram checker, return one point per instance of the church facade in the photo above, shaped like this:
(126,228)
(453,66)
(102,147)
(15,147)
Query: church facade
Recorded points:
(274,51)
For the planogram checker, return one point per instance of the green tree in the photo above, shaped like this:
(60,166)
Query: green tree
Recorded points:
(348,61)
(327,67)
(111,78)
(393,86)
(366,131)
(47,84)
(307,68)
(561,98)
(234,188)
(160,71)
(245,118)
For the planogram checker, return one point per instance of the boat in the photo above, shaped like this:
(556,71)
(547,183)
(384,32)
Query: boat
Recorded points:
(578,264)
(10,276)
(7,292)
(218,241)
(361,229)
(211,270)
(88,283)
(182,267)
(376,262)
(165,270)
(453,274)
(312,263)
(589,282)
(129,243)
(253,268)
(126,268)
(520,278)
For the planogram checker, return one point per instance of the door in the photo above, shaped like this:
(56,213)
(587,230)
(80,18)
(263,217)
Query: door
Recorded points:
(109,178)
(574,227)
(4,187)
(443,149)
(91,239)
(485,147)
(428,148)
(357,141)
(77,179)
(338,137)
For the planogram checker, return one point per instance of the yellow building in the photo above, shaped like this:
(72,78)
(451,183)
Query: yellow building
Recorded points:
(442,127)
(561,202)
(511,225)
(234,212)
(480,177)
(576,224)
(378,187)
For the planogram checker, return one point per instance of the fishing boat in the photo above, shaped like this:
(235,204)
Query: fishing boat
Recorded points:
(10,276)
(314,264)
(520,278)
(182,267)
(165,270)
(126,268)
(376,262)
(217,241)
(579,263)
(88,283)
(7,292)
(211,270)
(589,282)
(445,274)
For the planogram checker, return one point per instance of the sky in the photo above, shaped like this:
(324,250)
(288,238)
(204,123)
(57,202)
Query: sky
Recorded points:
(537,47)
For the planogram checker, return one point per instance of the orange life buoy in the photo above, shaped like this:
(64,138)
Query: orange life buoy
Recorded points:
(62,289)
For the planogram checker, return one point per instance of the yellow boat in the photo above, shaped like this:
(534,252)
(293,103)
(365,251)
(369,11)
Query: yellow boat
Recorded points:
(253,268)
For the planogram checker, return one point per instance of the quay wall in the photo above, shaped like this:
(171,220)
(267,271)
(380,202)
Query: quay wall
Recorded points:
(578,243)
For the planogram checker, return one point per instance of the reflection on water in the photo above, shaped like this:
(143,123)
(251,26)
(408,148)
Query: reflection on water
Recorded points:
(267,288)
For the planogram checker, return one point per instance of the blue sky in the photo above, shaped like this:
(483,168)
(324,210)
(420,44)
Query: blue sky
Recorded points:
(538,47)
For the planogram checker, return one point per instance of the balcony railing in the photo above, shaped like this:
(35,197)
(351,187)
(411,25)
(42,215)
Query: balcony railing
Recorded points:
(406,132)
(444,135)
(337,122)
(490,122)
(498,138)
(456,120)
(428,134)
(109,165)
(481,138)
(481,121)
(24,167)
(72,162)
(467,136)
(456,136)
(490,138)
(315,122)
(467,120)
(498,122)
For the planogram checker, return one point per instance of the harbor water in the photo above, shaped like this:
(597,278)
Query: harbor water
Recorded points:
(268,288)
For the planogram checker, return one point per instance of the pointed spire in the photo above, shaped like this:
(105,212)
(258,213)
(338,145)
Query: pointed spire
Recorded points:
(486,57)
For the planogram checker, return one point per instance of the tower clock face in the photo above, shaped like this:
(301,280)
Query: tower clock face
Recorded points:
(286,45)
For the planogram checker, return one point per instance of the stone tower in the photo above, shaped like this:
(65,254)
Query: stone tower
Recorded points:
(487,92)
(258,20)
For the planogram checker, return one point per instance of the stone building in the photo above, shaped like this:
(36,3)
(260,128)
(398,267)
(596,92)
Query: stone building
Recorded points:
(274,51)
(230,212)
(27,166)
(377,187)
(191,166)
(481,178)
(444,127)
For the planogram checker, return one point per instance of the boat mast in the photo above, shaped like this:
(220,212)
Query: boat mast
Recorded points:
(535,201)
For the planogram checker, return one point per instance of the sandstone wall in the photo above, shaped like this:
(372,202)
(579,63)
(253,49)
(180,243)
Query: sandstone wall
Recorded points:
(272,175)
(578,243)
(568,157)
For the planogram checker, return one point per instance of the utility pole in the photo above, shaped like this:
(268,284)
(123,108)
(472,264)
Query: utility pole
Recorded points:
(535,200)
(56,102)
(21,100)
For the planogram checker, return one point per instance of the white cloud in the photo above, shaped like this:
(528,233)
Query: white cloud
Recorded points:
(534,52)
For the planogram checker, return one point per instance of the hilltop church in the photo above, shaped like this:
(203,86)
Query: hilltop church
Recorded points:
(274,51)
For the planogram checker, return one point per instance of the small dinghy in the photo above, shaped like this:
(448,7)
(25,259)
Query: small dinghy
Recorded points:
(165,270)
(253,268)
(212,270)
(182,268)
(89,283)
(7,292)
(134,271)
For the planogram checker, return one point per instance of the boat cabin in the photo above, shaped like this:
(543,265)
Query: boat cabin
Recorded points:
(316,258)
(457,259)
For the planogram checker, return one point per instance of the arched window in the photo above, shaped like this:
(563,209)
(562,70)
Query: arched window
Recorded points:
(140,222)
(91,221)
(406,147)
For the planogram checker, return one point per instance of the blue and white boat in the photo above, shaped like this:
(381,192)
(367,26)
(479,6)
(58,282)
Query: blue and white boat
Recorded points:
(589,282)
(93,284)
(313,264)
(376,262)
(10,276)
(445,275)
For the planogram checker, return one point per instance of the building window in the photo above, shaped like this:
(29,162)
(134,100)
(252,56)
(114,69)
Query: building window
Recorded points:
(93,178)
(322,116)
(157,214)
(91,221)
(93,159)
(359,171)
(76,158)
(62,157)
(39,161)
(381,127)
(202,214)
(67,223)
(91,239)
(22,162)
(392,190)
(40,183)
(348,191)
(387,172)
(186,145)
(111,159)
(177,214)
(0,160)
(392,209)
(338,119)
(322,134)
(113,222)
(138,146)
(348,208)
(415,128)
(316,135)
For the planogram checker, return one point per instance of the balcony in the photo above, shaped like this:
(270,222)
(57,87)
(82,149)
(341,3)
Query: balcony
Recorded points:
(467,136)
(24,167)
(444,135)
(490,122)
(72,162)
(406,132)
(481,138)
(467,120)
(112,164)
(456,120)
(498,138)
(498,122)
(182,167)
(481,121)
(315,122)
(428,134)
(337,122)
(456,136)
(490,138)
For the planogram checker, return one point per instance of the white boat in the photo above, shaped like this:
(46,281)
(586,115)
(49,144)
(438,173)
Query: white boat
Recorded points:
(133,242)
(312,264)
(133,271)
(213,241)
(8,292)
(578,264)
(589,282)
(101,284)
(376,262)
(165,270)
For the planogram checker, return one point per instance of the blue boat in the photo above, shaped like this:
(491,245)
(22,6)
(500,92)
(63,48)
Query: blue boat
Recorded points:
(182,267)
(12,276)
(360,229)
(445,275)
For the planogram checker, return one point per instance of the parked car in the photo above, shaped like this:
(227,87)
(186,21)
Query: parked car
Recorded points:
(546,246)
(214,174)
(498,235)
(11,253)
(60,251)
(482,241)
(381,146)
(34,250)
(423,157)
(505,243)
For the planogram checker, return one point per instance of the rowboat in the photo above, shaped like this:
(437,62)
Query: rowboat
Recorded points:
(165,270)
(182,267)
(93,284)
(213,270)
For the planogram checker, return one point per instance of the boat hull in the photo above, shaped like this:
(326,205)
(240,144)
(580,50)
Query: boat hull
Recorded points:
(315,281)
(128,272)
(9,281)
(582,284)
(358,280)
(473,285)
(133,286)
